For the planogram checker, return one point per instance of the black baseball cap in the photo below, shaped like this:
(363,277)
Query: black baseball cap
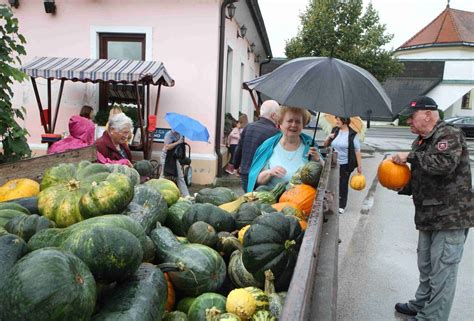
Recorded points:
(419,103)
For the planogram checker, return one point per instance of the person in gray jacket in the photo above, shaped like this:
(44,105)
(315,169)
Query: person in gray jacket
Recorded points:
(441,188)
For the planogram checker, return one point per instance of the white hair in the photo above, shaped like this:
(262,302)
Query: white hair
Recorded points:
(120,121)
(268,108)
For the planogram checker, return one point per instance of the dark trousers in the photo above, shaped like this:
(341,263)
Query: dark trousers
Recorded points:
(344,175)
(232,149)
(244,179)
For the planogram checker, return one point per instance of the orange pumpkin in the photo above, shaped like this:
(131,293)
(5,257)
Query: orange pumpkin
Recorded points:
(171,295)
(358,182)
(280,206)
(302,196)
(392,175)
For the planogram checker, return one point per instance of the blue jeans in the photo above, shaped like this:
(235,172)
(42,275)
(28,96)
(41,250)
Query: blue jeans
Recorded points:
(439,254)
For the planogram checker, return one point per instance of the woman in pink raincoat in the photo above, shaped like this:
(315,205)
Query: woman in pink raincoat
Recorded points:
(81,133)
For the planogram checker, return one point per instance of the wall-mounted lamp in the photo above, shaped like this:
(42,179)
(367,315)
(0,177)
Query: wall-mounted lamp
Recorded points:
(257,59)
(49,6)
(14,3)
(230,11)
(243,31)
(252,46)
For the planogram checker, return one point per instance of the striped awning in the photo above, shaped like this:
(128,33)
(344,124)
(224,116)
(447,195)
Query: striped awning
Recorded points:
(97,70)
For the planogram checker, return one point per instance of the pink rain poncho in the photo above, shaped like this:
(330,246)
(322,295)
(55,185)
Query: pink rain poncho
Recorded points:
(82,131)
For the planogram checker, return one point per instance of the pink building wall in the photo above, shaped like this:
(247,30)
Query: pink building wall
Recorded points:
(184,36)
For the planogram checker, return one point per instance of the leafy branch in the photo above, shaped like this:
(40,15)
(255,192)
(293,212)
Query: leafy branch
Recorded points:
(12,136)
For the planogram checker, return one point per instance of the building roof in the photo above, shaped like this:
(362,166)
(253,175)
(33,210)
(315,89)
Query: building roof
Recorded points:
(451,28)
(417,79)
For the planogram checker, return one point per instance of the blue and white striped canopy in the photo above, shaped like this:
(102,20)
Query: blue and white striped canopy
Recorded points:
(95,70)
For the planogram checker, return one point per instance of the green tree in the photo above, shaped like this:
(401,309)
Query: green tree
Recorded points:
(12,136)
(341,29)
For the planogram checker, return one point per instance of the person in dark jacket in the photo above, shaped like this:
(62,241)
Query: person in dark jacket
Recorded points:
(441,188)
(346,143)
(112,147)
(253,136)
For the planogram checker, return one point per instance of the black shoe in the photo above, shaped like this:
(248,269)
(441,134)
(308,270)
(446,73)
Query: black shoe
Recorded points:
(405,309)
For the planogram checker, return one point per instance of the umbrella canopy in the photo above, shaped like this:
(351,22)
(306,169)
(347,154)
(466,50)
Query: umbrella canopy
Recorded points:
(187,127)
(328,85)
(328,122)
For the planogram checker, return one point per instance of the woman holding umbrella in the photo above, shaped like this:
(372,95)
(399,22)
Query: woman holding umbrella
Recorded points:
(345,142)
(280,156)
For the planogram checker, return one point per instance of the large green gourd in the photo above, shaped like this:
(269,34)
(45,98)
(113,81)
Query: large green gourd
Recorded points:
(12,248)
(147,207)
(126,170)
(272,243)
(48,284)
(219,219)
(310,173)
(206,301)
(167,188)
(141,297)
(71,193)
(216,195)
(7,214)
(25,226)
(202,269)
(175,215)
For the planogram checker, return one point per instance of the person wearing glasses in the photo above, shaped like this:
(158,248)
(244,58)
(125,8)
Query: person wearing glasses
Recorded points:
(112,147)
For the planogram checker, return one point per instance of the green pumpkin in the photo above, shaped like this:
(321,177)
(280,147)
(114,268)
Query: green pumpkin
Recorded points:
(216,195)
(262,316)
(12,248)
(175,316)
(226,317)
(219,219)
(310,173)
(126,170)
(201,269)
(272,243)
(184,304)
(197,311)
(167,188)
(147,207)
(175,216)
(111,253)
(142,297)
(71,193)
(202,233)
(7,214)
(246,214)
(49,284)
(25,226)
(144,168)
(112,245)
(11,205)
(238,274)
(27,204)
(261,299)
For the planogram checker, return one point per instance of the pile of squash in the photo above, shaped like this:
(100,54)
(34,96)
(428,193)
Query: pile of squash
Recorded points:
(95,244)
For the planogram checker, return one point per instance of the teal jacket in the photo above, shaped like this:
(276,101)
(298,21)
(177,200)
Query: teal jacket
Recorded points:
(265,151)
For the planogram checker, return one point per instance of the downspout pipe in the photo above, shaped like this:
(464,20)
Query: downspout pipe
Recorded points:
(220,80)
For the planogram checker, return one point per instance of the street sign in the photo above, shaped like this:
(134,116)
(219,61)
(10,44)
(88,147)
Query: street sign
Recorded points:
(159,134)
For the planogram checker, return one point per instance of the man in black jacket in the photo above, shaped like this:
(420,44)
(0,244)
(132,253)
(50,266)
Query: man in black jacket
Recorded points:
(253,136)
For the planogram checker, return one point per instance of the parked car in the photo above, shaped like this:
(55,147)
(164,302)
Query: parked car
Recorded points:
(466,123)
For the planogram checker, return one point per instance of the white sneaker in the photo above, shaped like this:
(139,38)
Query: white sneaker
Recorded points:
(341,211)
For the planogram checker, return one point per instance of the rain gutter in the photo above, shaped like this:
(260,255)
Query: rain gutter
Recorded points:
(220,81)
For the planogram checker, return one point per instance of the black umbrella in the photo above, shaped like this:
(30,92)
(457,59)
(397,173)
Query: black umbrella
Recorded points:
(328,85)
